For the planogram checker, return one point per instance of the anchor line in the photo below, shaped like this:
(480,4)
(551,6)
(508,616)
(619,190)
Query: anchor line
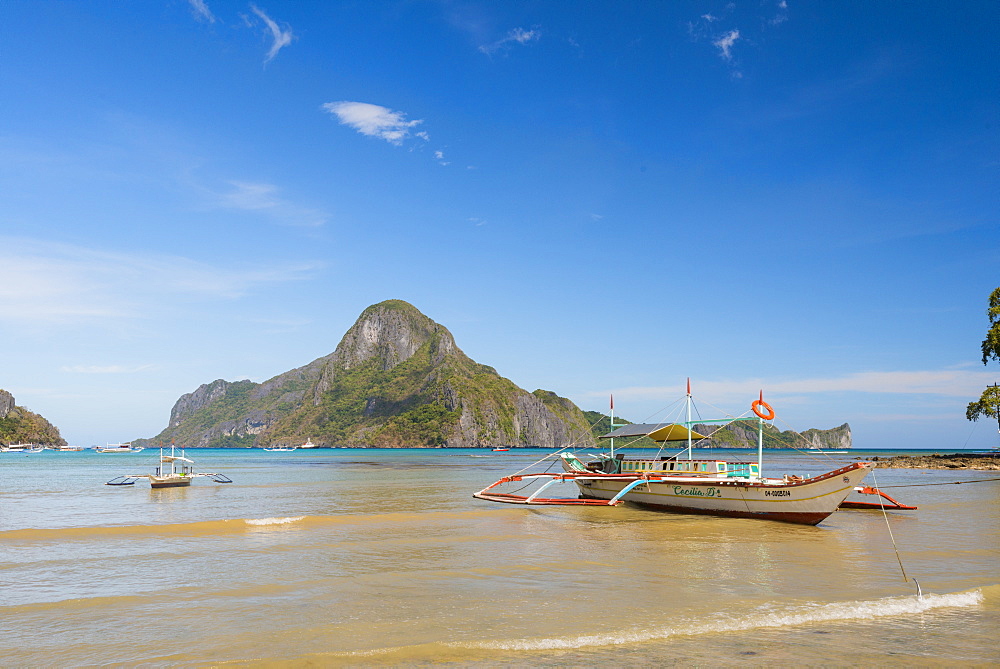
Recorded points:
(893,539)
(921,485)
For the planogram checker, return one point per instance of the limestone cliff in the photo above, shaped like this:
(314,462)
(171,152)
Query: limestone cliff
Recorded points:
(744,435)
(397,379)
(20,426)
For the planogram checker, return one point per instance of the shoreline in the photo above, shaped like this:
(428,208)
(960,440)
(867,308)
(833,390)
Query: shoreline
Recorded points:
(979,461)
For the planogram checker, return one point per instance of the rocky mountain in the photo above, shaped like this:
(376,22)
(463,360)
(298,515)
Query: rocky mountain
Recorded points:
(20,426)
(397,379)
(743,435)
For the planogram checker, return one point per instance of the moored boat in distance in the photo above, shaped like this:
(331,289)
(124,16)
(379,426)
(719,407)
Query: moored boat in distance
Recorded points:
(119,448)
(687,485)
(308,444)
(280,448)
(16,448)
(173,471)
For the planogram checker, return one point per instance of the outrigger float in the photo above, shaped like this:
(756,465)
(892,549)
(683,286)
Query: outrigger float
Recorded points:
(713,486)
(174,471)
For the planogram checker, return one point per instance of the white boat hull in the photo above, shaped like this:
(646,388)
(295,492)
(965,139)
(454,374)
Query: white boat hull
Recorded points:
(169,481)
(807,502)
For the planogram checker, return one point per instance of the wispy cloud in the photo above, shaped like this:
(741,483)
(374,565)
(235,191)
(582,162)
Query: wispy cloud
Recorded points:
(201,10)
(264,198)
(725,44)
(375,121)
(958,382)
(106,369)
(280,37)
(515,36)
(63,284)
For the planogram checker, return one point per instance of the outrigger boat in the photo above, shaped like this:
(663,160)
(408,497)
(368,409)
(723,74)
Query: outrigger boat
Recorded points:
(119,448)
(279,448)
(174,471)
(17,448)
(704,486)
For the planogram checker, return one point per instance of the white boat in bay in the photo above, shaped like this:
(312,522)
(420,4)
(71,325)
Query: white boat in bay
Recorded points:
(274,449)
(683,484)
(308,444)
(16,448)
(173,471)
(119,448)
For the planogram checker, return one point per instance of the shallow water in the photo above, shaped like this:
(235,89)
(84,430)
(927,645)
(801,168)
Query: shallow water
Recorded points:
(359,557)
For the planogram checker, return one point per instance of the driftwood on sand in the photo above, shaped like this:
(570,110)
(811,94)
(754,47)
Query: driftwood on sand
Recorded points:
(938,461)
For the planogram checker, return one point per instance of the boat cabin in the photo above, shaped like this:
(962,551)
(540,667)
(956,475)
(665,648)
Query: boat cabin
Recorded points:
(666,465)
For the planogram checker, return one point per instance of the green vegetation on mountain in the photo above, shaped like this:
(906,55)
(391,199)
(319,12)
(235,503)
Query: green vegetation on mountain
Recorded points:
(20,426)
(396,379)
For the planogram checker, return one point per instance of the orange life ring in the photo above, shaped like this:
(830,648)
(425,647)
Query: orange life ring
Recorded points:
(758,404)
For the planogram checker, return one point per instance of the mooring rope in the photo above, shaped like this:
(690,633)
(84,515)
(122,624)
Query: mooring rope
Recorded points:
(921,485)
(893,539)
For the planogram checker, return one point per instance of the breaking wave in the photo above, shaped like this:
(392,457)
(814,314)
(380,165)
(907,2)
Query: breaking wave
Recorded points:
(791,616)
(273,521)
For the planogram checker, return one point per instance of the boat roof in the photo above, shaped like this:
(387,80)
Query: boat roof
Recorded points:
(174,458)
(656,432)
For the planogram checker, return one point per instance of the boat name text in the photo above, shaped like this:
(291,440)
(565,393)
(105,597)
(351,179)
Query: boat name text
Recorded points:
(697,492)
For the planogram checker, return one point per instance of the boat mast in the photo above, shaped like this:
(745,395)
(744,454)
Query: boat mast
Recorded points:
(612,426)
(760,442)
(689,416)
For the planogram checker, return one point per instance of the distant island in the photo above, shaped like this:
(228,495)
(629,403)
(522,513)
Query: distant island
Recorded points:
(20,426)
(398,379)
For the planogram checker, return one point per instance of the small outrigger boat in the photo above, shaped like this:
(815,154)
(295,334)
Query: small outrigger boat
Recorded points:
(704,486)
(279,448)
(174,471)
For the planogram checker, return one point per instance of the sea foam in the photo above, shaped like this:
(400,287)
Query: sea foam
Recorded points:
(789,617)
(273,521)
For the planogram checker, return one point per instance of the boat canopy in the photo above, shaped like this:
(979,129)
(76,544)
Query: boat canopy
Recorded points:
(656,432)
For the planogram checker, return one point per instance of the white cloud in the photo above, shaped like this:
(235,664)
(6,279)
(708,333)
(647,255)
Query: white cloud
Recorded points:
(961,383)
(201,10)
(374,121)
(263,198)
(515,36)
(725,44)
(282,38)
(62,284)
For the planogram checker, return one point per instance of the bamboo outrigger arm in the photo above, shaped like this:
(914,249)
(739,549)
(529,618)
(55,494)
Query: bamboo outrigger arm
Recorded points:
(510,498)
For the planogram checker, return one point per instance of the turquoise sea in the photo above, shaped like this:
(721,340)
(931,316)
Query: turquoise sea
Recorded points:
(354,557)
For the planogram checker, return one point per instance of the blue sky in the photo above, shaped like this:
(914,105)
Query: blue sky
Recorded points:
(594,198)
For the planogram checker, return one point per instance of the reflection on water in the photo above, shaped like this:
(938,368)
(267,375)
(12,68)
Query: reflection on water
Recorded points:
(347,557)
